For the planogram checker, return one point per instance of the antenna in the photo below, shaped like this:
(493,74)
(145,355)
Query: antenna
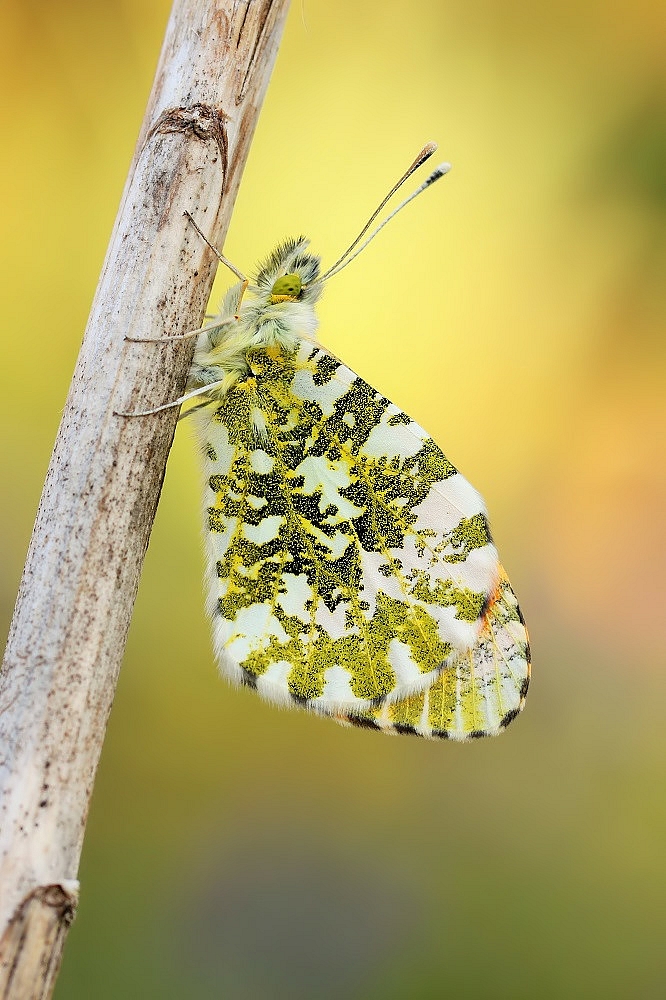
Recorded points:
(424,155)
(438,172)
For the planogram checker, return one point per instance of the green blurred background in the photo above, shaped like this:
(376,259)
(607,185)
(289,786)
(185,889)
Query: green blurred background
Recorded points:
(517,311)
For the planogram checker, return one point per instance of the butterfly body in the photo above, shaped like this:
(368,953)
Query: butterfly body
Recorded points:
(265,320)
(351,568)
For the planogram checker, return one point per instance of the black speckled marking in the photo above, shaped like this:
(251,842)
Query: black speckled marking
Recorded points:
(523,688)
(401,727)
(476,734)
(249,680)
(509,717)
(362,722)
(486,604)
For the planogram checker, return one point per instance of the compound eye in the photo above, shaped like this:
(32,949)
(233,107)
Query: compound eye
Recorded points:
(286,288)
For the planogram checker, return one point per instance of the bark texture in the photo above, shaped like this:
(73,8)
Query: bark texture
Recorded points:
(77,592)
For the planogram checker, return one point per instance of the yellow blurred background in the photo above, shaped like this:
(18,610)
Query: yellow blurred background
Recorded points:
(517,311)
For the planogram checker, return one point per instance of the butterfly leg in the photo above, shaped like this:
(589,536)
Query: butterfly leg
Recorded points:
(202,390)
(220,325)
(242,292)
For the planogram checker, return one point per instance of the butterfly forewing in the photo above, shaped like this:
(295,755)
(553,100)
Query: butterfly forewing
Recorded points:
(351,565)
(479,694)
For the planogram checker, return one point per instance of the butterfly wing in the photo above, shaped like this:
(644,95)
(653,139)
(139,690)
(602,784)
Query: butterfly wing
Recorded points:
(479,694)
(350,563)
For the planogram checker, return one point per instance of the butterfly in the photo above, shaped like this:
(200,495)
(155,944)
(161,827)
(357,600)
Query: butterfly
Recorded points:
(351,569)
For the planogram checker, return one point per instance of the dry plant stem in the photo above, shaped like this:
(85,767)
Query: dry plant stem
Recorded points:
(92,529)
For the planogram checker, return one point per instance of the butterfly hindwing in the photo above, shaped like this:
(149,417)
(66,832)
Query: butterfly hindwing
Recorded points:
(351,565)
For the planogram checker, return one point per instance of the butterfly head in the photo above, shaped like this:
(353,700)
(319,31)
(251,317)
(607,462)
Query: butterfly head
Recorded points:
(288,288)
(287,274)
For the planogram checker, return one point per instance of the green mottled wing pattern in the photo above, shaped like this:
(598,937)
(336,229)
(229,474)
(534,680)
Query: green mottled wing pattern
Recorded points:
(479,694)
(351,566)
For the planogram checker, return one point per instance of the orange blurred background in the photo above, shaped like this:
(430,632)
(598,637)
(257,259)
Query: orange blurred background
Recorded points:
(517,311)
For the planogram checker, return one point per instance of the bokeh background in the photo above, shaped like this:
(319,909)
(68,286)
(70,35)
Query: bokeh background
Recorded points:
(517,311)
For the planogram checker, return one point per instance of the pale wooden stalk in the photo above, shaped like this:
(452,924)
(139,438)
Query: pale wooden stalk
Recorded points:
(75,601)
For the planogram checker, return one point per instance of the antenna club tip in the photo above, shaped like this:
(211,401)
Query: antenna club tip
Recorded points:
(424,155)
(438,172)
